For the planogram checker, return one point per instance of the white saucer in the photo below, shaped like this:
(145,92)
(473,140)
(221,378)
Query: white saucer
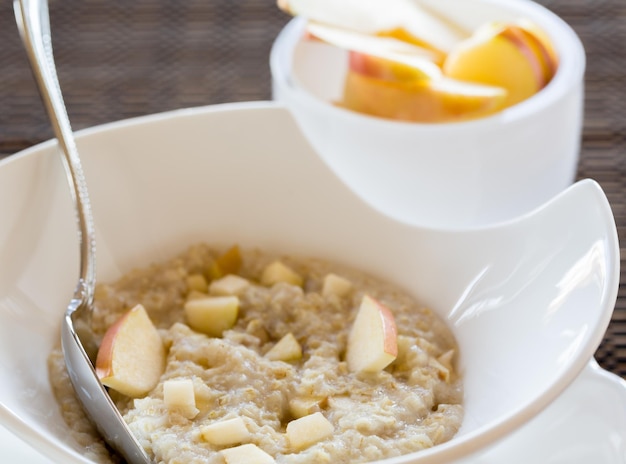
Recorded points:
(587,424)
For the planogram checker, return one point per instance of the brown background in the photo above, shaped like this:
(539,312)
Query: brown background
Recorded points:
(118,59)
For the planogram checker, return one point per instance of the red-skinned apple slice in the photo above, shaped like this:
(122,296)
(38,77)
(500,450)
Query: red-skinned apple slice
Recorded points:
(131,357)
(392,18)
(542,45)
(372,341)
(420,60)
(505,55)
(385,89)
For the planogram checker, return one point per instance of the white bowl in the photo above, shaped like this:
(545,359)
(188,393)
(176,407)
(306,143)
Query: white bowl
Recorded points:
(528,300)
(446,175)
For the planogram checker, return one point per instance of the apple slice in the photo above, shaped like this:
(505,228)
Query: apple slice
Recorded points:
(131,357)
(278,272)
(246,454)
(179,395)
(434,101)
(226,432)
(308,430)
(196,295)
(504,55)
(287,349)
(213,314)
(230,284)
(404,18)
(419,60)
(372,341)
(547,50)
(387,69)
(336,285)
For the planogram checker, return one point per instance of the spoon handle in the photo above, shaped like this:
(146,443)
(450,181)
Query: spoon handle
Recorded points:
(34,25)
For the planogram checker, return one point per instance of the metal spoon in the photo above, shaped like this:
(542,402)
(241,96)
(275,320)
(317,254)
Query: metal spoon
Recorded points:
(34,26)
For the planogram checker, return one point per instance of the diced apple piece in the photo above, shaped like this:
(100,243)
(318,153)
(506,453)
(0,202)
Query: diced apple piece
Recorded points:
(131,357)
(447,359)
(300,407)
(246,454)
(214,271)
(336,285)
(442,371)
(278,272)
(228,285)
(179,395)
(372,341)
(503,55)
(226,432)
(230,261)
(287,349)
(197,282)
(213,314)
(407,17)
(308,430)
(196,295)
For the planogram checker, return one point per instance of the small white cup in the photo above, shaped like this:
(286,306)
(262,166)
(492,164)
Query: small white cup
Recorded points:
(449,175)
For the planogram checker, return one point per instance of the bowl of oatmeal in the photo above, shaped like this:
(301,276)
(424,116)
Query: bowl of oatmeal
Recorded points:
(411,138)
(490,325)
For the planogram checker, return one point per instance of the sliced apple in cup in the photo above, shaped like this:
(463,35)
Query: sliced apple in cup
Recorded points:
(403,19)
(383,88)
(393,79)
(131,357)
(416,62)
(505,55)
(372,341)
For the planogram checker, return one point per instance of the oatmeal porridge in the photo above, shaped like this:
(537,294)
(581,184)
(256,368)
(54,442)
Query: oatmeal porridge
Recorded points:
(267,358)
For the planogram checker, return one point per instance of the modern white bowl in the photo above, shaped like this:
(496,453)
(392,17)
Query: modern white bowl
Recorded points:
(528,300)
(446,175)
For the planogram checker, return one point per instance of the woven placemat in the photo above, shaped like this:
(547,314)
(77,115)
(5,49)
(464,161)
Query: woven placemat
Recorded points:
(119,59)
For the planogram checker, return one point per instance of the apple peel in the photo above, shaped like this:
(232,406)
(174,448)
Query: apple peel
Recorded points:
(131,357)
(373,17)
(372,341)
(419,59)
